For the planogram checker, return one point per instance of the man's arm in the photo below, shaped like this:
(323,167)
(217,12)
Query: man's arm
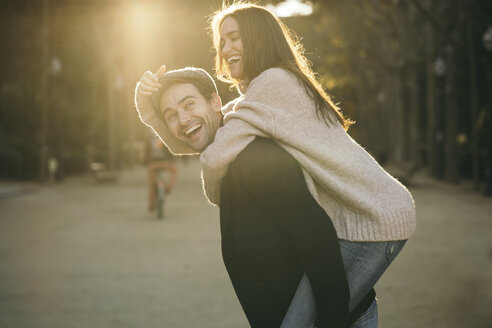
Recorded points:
(275,181)
(147,85)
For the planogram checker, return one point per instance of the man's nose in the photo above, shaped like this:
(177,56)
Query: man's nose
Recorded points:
(184,117)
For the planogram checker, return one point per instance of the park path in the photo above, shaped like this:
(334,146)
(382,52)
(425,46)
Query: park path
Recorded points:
(82,254)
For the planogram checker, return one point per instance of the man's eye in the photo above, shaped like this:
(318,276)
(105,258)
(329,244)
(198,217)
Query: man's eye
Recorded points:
(171,117)
(189,105)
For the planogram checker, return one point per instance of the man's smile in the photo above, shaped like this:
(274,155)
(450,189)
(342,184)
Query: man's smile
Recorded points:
(192,132)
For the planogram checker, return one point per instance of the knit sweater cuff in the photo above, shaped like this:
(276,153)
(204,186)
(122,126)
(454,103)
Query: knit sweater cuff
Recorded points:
(398,225)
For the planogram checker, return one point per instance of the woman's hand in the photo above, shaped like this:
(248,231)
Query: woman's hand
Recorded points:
(149,83)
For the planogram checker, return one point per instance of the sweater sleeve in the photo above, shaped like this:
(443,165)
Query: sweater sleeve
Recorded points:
(274,179)
(241,127)
(267,100)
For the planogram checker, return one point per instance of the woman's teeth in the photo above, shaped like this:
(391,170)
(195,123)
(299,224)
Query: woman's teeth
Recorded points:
(233,59)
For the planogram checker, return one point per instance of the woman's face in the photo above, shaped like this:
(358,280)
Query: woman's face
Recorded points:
(231,47)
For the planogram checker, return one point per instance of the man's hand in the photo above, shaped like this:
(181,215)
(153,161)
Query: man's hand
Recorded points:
(149,83)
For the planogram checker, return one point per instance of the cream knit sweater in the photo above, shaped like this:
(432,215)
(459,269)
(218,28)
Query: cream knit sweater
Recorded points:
(364,202)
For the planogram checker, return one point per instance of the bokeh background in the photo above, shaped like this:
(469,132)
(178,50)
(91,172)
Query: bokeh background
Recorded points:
(77,247)
(415,75)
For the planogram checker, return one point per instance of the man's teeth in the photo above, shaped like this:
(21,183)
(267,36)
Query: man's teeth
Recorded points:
(233,59)
(192,129)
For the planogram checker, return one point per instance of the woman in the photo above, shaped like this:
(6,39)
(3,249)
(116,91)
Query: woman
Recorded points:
(372,212)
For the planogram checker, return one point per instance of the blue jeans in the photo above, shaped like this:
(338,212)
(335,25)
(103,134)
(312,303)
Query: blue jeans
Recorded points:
(364,264)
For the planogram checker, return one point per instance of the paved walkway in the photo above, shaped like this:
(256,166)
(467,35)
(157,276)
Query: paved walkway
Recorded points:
(82,254)
(11,189)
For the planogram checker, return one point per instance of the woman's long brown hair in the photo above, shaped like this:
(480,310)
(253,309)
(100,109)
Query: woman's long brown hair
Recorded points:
(268,43)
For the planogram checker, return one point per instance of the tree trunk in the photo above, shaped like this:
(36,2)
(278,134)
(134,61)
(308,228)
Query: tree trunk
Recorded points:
(111,121)
(398,119)
(451,154)
(473,100)
(431,119)
(45,53)
(413,123)
(110,93)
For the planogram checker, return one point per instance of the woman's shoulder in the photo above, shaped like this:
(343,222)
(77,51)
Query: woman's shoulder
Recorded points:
(229,107)
(273,81)
(274,74)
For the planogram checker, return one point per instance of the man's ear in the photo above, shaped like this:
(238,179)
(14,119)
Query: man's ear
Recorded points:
(216,102)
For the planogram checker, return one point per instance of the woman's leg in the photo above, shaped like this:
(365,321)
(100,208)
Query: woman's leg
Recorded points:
(364,263)
(368,319)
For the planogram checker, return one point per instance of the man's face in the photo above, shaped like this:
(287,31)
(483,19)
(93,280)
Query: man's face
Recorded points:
(189,116)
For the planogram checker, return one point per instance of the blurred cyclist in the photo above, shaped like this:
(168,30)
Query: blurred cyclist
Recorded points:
(159,158)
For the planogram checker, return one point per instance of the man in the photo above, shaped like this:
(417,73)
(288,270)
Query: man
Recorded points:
(273,231)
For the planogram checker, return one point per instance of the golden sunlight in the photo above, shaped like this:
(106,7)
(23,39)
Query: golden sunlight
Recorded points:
(291,8)
(143,25)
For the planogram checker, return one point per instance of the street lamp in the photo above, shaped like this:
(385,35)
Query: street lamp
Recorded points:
(119,82)
(487,39)
(487,44)
(439,68)
(55,66)
(55,170)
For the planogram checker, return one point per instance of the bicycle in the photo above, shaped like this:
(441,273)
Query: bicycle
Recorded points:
(162,177)
(161,193)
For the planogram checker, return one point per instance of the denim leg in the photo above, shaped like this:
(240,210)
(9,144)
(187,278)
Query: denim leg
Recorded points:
(302,310)
(364,264)
(368,319)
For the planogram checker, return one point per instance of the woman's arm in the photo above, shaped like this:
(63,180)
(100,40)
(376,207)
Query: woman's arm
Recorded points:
(240,129)
(267,101)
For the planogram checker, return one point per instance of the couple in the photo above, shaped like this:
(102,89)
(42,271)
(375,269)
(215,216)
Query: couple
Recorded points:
(309,220)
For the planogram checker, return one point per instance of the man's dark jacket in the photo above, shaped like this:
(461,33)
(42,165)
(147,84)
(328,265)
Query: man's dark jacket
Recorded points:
(272,232)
